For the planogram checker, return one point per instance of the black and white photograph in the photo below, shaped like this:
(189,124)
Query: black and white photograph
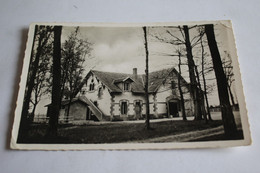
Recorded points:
(130,86)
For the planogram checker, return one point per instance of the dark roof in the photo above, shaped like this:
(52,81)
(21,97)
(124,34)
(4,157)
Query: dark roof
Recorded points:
(156,78)
(123,80)
(108,79)
(65,102)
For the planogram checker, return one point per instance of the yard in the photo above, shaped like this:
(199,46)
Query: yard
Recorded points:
(115,132)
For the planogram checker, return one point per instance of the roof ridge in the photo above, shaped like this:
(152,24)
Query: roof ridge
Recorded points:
(110,72)
(131,73)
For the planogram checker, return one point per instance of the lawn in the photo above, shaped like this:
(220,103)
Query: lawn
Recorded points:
(114,132)
(221,137)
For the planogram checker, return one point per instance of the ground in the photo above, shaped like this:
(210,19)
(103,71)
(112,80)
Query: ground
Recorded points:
(164,130)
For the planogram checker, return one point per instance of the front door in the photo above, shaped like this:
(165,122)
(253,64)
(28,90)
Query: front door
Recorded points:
(88,114)
(138,110)
(173,109)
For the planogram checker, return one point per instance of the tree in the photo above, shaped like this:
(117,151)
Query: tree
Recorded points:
(41,78)
(201,96)
(147,121)
(228,70)
(74,52)
(226,110)
(203,70)
(204,78)
(56,72)
(189,44)
(194,85)
(41,38)
(38,91)
(180,89)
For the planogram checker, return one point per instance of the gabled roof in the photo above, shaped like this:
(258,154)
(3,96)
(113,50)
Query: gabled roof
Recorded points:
(156,79)
(108,79)
(123,80)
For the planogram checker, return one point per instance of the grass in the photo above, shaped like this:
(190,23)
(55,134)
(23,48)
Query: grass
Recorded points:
(113,132)
(237,136)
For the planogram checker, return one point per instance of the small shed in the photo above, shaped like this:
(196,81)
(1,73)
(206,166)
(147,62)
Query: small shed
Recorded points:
(77,111)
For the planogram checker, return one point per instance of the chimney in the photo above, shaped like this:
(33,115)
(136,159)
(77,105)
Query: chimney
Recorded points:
(135,73)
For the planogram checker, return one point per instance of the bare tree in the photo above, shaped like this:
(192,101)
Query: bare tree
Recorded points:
(201,96)
(228,70)
(180,88)
(41,78)
(41,38)
(147,121)
(194,82)
(38,91)
(189,45)
(203,54)
(226,110)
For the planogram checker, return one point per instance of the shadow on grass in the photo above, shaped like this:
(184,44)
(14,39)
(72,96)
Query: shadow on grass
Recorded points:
(114,132)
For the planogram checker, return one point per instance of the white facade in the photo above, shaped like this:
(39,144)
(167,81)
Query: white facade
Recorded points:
(99,94)
(123,104)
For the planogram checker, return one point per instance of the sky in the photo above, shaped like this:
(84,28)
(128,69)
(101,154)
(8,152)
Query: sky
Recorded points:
(120,49)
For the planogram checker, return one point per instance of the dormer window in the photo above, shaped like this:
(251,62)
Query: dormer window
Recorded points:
(126,86)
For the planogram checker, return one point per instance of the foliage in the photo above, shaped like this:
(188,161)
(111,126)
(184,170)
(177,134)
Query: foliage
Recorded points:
(74,53)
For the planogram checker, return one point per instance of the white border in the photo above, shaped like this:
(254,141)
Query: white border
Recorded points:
(132,146)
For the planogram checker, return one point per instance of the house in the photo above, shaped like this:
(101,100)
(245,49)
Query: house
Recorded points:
(121,96)
(107,96)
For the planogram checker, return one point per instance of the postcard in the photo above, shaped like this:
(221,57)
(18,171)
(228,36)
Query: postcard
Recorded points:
(98,86)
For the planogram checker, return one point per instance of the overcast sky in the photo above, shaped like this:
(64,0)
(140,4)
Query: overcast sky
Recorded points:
(120,49)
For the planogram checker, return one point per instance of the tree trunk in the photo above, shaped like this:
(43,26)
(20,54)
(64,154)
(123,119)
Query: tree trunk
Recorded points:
(204,81)
(147,121)
(201,97)
(24,124)
(231,95)
(191,65)
(226,110)
(180,90)
(33,112)
(64,78)
(55,98)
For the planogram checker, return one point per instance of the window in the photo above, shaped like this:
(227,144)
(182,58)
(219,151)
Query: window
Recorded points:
(100,92)
(91,87)
(173,84)
(126,86)
(124,108)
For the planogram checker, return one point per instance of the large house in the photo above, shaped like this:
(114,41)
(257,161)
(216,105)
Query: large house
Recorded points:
(108,96)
